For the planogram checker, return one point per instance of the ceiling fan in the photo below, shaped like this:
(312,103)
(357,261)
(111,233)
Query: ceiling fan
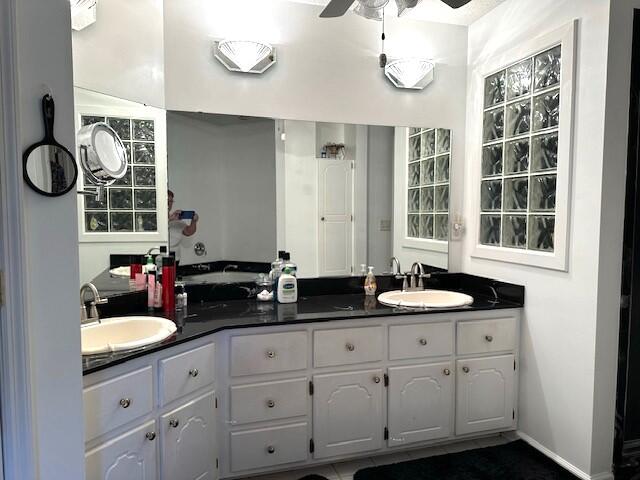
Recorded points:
(373,8)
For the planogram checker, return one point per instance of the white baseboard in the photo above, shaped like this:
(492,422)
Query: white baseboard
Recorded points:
(561,461)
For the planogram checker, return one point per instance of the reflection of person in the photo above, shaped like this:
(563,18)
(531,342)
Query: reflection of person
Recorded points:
(178,228)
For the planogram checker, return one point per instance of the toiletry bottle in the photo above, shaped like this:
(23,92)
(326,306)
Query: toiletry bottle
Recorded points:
(135,265)
(287,263)
(370,283)
(159,257)
(151,288)
(276,270)
(150,266)
(287,287)
(168,284)
(157,296)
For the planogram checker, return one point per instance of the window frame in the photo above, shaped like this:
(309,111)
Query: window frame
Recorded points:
(160,141)
(558,259)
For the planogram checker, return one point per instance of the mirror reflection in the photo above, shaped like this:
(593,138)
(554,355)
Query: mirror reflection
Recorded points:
(50,169)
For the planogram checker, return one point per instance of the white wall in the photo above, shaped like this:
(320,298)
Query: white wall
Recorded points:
(226,173)
(561,321)
(122,53)
(43,47)
(380,196)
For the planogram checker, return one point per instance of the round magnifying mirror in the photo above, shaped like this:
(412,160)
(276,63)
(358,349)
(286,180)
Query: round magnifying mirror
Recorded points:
(50,170)
(102,153)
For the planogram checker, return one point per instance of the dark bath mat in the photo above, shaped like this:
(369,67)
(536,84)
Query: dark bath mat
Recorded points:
(512,461)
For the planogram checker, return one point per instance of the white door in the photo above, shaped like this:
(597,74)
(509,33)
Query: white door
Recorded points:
(188,441)
(420,403)
(132,456)
(485,394)
(335,210)
(347,412)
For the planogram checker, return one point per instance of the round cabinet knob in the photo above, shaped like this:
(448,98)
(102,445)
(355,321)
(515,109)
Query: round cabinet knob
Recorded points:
(151,436)
(271,354)
(423,341)
(193,372)
(465,369)
(488,338)
(125,402)
(447,372)
(174,423)
(271,449)
(376,379)
(350,347)
(271,403)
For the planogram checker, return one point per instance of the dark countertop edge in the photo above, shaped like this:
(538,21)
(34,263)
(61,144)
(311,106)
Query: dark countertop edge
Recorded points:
(501,305)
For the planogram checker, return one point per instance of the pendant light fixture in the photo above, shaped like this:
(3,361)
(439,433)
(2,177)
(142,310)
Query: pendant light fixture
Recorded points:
(245,56)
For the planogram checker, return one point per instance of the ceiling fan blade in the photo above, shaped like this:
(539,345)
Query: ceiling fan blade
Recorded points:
(456,3)
(336,8)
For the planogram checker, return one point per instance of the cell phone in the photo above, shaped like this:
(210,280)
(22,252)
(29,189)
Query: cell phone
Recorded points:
(187,214)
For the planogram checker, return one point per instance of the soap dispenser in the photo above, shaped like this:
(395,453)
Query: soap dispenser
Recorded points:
(370,283)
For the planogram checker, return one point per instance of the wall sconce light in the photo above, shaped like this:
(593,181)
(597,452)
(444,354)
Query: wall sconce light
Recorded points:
(83,13)
(411,73)
(246,56)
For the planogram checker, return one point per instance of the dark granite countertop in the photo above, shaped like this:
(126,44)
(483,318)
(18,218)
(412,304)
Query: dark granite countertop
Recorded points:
(207,317)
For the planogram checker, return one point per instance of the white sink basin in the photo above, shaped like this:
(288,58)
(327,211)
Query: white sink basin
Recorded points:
(425,299)
(124,333)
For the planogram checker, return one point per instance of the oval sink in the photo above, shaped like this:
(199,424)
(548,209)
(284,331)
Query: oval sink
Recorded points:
(425,299)
(124,333)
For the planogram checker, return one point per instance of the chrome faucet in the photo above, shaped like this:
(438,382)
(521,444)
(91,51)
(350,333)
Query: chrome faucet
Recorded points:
(229,267)
(417,274)
(93,315)
(152,249)
(398,272)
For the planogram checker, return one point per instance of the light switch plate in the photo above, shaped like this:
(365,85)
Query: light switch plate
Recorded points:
(385,225)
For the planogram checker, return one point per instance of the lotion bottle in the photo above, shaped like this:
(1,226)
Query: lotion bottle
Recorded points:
(370,283)
(287,287)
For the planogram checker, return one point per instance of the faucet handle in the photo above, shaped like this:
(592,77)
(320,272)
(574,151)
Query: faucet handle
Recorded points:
(101,301)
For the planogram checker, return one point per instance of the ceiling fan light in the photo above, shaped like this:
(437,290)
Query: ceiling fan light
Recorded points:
(83,13)
(371,9)
(247,56)
(413,73)
(404,5)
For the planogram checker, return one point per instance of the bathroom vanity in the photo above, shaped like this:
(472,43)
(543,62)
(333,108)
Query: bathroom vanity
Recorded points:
(246,388)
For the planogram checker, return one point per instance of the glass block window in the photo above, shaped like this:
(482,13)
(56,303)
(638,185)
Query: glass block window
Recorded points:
(520,154)
(429,157)
(130,203)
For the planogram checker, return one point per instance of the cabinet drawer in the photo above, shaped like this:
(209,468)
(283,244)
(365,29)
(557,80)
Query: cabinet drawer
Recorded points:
(347,346)
(268,353)
(269,446)
(117,401)
(486,336)
(269,401)
(186,373)
(418,341)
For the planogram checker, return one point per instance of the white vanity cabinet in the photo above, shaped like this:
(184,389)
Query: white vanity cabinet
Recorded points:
(153,417)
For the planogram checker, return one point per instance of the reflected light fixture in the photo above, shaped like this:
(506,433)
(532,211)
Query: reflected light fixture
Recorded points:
(411,73)
(246,56)
(83,13)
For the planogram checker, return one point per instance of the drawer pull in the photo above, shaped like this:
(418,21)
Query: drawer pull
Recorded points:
(271,354)
(488,338)
(376,379)
(350,347)
(447,372)
(271,449)
(271,403)
(465,369)
(193,372)
(174,423)
(151,436)
(423,341)
(125,402)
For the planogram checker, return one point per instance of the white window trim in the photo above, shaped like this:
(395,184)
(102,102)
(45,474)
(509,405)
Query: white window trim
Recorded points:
(401,181)
(558,259)
(160,140)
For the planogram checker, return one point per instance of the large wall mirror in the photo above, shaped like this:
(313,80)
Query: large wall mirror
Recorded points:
(227,192)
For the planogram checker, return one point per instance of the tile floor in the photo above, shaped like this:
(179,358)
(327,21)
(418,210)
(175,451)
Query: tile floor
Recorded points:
(346,470)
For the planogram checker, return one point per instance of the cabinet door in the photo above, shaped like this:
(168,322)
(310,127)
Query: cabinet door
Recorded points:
(131,456)
(347,412)
(420,403)
(188,442)
(485,394)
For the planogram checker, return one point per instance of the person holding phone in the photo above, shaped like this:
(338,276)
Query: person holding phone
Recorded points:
(178,227)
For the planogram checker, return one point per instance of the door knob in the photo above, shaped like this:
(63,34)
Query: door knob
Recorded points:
(271,354)
(125,402)
(447,372)
(350,347)
(465,369)
(322,219)
(271,403)
(193,372)
(174,423)
(488,338)
(271,449)
(376,379)
(151,436)
(423,341)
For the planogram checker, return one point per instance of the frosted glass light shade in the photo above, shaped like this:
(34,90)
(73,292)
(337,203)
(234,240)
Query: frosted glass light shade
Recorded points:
(245,56)
(414,73)
(371,9)
(83,13)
